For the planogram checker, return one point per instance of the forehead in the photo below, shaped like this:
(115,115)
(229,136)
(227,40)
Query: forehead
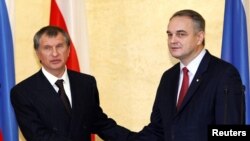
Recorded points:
(58,37)
(179,23)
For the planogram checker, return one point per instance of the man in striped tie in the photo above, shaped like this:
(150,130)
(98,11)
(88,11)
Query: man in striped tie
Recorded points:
(58,104)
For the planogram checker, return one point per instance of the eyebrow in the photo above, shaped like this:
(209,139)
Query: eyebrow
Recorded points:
(178,31)
(181,31)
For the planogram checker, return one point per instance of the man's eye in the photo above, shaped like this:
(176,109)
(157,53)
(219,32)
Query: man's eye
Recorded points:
(181,34)
(59,46)
(47,48)
(170,35)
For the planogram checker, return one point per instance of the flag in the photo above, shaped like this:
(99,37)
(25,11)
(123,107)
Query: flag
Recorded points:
(8,124)
(70,16)
(1,135)
(235,44)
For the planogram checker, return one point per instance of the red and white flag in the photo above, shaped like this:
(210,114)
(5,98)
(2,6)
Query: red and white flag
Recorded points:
(70,16)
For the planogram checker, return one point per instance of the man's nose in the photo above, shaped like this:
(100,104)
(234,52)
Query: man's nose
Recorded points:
(172,39)
(54,51)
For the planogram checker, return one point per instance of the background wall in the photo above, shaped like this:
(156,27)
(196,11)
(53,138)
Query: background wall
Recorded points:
(127,48)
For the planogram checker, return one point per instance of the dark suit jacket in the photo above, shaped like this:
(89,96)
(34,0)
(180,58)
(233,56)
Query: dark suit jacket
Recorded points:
(42,117)
(214,97)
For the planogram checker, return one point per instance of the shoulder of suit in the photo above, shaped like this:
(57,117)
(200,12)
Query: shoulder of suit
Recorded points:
(79,74)
(28,81)
(221,62)
(173,69)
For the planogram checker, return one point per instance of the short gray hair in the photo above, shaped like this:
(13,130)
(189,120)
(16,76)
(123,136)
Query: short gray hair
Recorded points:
(51,31)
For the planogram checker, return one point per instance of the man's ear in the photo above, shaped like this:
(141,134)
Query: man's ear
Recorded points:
(201,37)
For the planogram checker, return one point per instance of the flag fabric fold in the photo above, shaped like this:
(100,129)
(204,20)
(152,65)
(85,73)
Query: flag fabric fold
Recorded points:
(235,44)
(57,19)
(70,16)
(8,124)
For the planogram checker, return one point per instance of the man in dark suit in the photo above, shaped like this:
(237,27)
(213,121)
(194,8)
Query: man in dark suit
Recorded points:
(213,95)
(41,113)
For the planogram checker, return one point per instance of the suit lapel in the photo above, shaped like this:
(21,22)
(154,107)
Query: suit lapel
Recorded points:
(45,90)
(74,97)
(49,96)
(79,98)
(174,86)
(168,90)
(197,79)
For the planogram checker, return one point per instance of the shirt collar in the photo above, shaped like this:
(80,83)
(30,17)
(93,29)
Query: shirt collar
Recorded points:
(52,79)
(194,64)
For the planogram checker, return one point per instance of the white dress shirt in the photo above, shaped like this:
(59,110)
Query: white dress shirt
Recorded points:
(52,79)
(192,68)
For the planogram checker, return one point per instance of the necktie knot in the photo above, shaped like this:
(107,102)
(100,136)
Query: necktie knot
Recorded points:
(59,84)
(185,71)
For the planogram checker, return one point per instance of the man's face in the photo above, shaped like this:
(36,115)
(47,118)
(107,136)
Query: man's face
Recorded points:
(53,53)
(184,41)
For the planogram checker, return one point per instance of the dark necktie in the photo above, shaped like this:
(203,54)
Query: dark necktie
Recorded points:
(184,87)
(63,96)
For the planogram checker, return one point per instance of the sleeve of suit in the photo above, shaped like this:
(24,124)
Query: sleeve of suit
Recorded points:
(154,130)
(34,129)
(230,99)
(104,126)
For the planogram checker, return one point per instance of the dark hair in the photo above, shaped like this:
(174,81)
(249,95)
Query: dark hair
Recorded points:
(51,31)
(198,20)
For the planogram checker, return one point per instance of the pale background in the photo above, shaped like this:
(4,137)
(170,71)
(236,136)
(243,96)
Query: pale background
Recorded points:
(127,48)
